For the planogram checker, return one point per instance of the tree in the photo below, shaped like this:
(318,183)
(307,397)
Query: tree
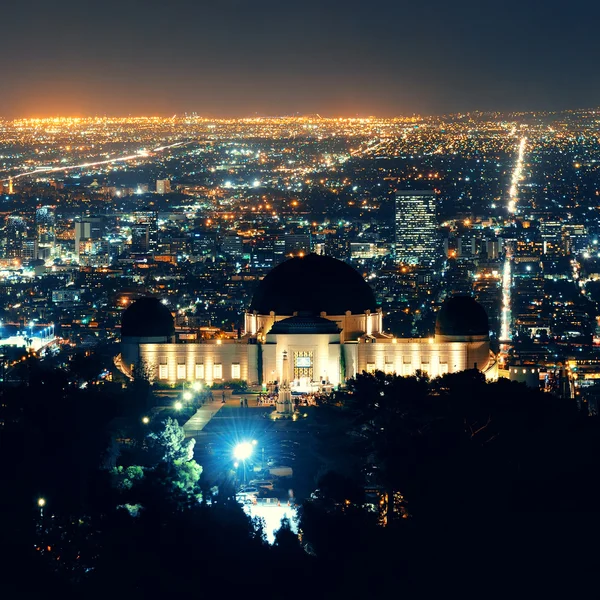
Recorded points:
(124,478)
(170,443)
(187,475)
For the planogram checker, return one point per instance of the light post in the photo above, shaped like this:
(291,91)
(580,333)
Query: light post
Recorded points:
(41,502)
(145,420)
(242,452)
(178,405)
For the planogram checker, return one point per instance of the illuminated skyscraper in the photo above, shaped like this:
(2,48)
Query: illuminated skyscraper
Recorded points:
(149,218)
(163,186)
(15,236)
(416,228)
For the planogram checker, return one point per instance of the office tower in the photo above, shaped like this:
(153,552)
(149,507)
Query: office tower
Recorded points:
(150,219)
(204,243)
(140,237)
(551,235)
(87,229)
(416,228)
(492,249)
(45,221)
(163,186)
(29,249)
(279,250)
(263,253)
(232,246)
(297,244)
(15,236)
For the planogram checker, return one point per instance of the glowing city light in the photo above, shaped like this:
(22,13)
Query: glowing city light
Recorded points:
(243,451)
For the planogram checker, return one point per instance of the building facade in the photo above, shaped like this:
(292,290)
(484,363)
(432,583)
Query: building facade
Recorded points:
(416,228)
(322,314)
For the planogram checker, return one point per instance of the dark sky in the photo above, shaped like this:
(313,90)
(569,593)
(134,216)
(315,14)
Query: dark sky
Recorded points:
(266,57)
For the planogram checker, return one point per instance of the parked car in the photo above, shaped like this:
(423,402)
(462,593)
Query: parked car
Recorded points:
(265,484)
(243,498)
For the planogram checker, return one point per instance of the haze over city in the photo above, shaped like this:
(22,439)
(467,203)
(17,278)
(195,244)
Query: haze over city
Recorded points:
(240,58)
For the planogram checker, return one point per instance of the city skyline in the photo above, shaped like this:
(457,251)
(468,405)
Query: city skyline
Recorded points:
(240,59)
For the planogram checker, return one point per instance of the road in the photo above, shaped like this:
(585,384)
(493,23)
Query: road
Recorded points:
(513,198)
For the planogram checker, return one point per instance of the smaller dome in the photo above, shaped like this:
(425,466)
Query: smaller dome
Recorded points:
(147,317)
(306,324)
(462,316)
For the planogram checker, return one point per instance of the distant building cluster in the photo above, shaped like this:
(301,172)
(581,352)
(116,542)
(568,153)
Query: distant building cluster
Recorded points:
(200,213)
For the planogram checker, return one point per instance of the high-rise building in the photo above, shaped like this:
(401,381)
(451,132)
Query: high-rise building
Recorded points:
(232,246)
(297,244)
(149,218)
(140,237)
(416,228)
(87,228)
(163,186)
(45,222)
(16,234)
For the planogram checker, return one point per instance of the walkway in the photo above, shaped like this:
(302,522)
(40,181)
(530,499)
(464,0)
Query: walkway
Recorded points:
(203,415)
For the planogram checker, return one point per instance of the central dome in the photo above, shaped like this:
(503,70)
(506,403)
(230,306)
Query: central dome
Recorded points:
(313,284)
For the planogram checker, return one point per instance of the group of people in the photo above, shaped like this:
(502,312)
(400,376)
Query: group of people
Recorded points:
(266,399)
(270,399)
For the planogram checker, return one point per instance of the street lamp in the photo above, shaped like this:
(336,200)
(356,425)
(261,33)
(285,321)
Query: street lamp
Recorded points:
(242,452)
(178,405)
(187,396)
(145,420)
(41,502)
(197,386)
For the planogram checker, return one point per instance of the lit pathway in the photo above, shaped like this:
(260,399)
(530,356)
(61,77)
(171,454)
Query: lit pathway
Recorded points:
(203,415)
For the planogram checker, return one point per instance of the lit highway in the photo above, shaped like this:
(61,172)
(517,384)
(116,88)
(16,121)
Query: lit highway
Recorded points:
(513,197)
(140,154)
(517,175)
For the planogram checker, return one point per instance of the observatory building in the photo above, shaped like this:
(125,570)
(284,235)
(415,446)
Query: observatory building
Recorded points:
(322,314)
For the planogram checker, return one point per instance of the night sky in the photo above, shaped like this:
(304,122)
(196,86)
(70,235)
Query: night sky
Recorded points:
(265,57)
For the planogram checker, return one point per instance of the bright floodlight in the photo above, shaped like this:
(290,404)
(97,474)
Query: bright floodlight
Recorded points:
(41,502)
(178,405)
(243,451)
(197,386)
(145,420)
(187,396)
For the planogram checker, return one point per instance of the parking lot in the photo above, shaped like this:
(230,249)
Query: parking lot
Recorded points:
(284,460)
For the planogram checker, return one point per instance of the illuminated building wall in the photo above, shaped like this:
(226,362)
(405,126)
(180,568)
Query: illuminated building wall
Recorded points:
(416,228)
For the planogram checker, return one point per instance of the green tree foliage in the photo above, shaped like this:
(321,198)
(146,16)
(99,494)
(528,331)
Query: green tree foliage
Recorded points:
(170,444)
(187,475)
(125,477)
